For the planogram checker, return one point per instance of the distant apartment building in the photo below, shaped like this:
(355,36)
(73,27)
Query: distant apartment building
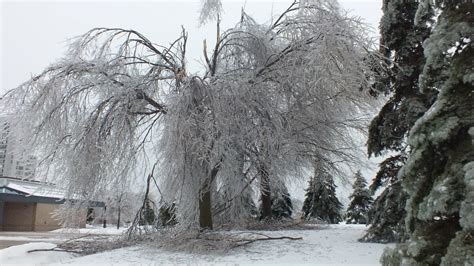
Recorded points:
(14,161)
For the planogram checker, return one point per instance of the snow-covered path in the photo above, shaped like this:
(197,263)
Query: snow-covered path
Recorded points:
(327,245)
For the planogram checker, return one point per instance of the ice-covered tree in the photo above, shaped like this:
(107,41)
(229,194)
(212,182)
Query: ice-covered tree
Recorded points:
(237,210)
(250,96)
(401,42)
(123,206)
(439,172)
(361,201)
(321,202)
(210,10)
(272,98)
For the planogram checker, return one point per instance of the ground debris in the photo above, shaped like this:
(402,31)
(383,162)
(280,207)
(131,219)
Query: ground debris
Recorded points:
(88,244)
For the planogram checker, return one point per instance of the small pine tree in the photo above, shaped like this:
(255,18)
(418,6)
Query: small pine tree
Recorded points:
(167,214)
(281,204)
(321,201)
(90,215)
(282,207)
(148,216)
(361,201)
(387,215)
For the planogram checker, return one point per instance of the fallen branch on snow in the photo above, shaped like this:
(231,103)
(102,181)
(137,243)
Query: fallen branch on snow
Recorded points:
(251,237)
(249,241)
(54,249)
(86,244)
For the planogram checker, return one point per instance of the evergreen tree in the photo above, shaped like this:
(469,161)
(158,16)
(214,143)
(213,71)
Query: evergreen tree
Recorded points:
(90,215)
(148,216)
(387,215)
(439,173)
(167,214)
(361,200)
(282,206)
(321,201)
(401,42)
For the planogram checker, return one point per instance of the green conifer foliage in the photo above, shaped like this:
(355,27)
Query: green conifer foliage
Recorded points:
(439,173)
(282,207)
(281,204)
(320,201)
(401,42)
(148,216)
(387,215)
(361,201)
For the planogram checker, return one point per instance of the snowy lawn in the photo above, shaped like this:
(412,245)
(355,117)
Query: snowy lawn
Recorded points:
(19,254)
(59,234)
(93,230)
(335,244)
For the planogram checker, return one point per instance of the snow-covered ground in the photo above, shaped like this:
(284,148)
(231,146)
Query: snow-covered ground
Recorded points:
(19,255)
(325,245)
(60,234)
(93,230)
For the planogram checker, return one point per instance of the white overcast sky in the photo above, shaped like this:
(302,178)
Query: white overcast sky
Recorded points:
(34,34)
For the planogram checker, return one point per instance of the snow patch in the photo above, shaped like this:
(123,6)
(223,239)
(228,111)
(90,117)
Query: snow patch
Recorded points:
(19,255)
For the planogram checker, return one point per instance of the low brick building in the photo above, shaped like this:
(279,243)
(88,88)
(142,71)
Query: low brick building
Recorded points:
(29,205)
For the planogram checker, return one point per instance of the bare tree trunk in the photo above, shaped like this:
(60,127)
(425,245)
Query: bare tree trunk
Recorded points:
(118,215)
(265,192)
(205,204)
(118,218)
(205,212)
(105,217)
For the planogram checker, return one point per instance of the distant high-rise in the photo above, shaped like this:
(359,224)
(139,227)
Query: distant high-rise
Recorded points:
(14,161)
